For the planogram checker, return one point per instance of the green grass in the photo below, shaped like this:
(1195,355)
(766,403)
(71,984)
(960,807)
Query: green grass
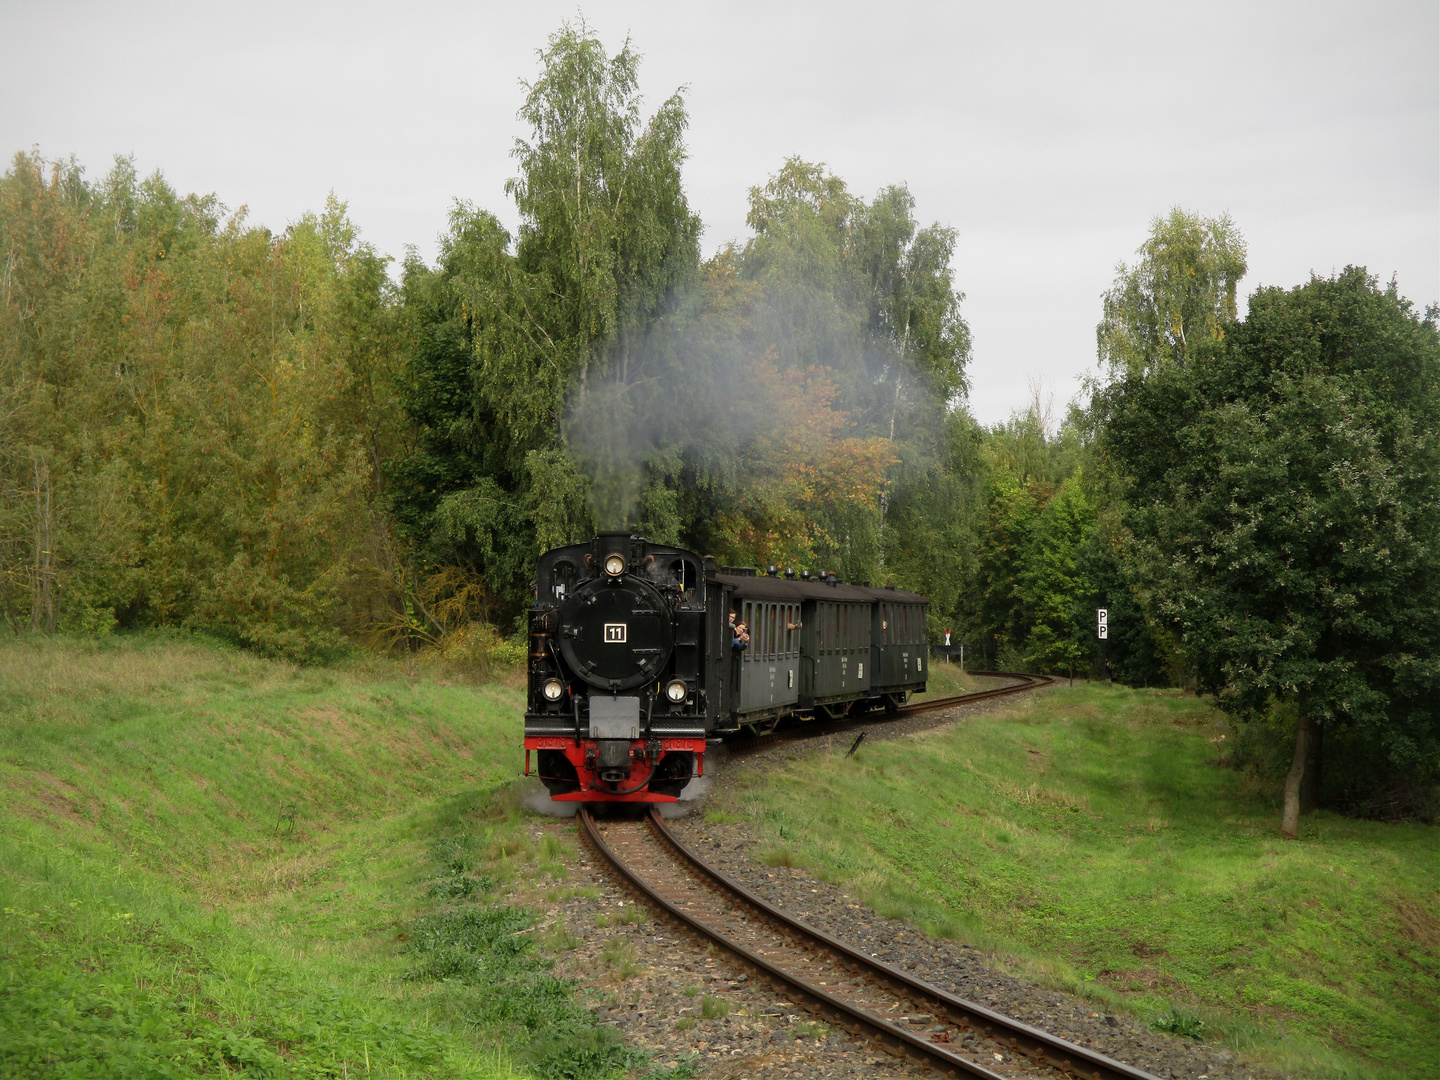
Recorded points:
(1085,836)
(946,680)
(212,864)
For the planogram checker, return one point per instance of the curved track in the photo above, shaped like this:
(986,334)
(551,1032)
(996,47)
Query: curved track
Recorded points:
(868,998)
(746,744)
(1027,682)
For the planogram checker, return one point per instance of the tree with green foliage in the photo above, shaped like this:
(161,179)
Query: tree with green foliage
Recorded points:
(193,413)
(1002,544)
(1179,295)
(1052,588)
(505,339)
(1283,514)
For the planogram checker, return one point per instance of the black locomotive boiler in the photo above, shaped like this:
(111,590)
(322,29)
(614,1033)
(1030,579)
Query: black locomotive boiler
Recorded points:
(634,669)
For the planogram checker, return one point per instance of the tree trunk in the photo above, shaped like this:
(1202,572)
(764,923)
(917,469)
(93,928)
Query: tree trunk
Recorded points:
(1290,817)
(42,607)
(1314,763)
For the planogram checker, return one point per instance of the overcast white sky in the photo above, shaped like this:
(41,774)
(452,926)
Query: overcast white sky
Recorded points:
(1049,135)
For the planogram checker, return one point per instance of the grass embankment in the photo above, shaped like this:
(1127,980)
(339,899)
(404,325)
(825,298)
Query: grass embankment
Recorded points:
(1087,837)
(215,864)
(947,680)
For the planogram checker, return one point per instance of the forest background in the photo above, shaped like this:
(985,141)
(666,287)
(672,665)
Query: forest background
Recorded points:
(262,436)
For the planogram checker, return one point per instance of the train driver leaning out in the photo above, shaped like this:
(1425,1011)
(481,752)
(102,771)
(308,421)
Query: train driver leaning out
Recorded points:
(739,635)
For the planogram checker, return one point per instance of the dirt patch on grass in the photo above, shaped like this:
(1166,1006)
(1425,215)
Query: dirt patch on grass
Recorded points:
(337,722)
(1141,979)
(1419,923)
(42,795)
(1035,795)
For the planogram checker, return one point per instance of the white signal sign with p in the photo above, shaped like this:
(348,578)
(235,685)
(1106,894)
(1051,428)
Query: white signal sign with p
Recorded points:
(1104,624)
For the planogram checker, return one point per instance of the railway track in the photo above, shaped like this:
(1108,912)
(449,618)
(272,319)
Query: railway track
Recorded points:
(747,744)
(884,1005)
(1027,682)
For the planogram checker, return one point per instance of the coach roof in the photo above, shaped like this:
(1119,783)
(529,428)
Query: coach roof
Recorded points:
(764,587)
(893,596)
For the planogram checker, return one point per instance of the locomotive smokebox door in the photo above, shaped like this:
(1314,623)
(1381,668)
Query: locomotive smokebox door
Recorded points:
(618,632)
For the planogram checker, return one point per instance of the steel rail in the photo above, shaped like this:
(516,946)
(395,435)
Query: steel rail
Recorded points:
(1041,1048)
(1029,682)
(749,743)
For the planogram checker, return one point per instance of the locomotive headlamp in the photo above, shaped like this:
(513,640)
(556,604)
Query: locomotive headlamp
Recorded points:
(675,691)
(553,689)
(614,565)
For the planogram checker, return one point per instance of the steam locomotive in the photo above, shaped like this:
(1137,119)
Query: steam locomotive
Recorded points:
(634,669)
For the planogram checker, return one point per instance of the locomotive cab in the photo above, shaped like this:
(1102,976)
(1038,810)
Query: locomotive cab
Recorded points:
(618,707)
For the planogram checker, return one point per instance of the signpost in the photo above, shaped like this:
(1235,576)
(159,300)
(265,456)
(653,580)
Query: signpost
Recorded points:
(1103,626)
